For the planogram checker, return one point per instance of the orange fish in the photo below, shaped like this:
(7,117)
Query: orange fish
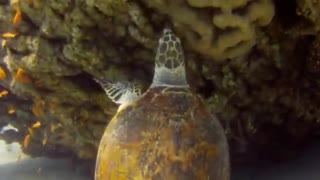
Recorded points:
(39,83)
(53,128)
(37,110)
(2,73)
(36,125)
(20,77)
(26,141)
(29,1)
(17,16)
(45,139)
(9,35)
(3,43)
(11,111)
(30,131)
(52,107)
(3,93)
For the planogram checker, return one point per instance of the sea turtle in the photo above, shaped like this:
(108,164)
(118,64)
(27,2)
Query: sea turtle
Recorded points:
(167,133)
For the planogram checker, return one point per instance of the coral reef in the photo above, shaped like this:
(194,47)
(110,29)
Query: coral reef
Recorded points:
(218,29)
(254,62)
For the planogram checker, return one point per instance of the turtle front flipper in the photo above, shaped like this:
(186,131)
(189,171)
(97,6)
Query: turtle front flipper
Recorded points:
(120,92)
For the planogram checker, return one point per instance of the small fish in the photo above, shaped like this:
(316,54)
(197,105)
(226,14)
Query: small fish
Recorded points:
(45,139)
(26,141)
(11,111)
(37,108)
(2,73)
(17,16)
(9,35)
(53,128)
(30,131)
(52,107)
(3,43)
(20,71)
(39,83)
(36,125)
(29,1)
(3,93)
(21,77)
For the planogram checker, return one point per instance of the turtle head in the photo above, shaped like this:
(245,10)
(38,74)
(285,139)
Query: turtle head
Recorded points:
(169,62)
(120,92)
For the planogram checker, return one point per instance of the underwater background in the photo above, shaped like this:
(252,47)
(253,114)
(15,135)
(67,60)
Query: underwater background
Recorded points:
(255,64)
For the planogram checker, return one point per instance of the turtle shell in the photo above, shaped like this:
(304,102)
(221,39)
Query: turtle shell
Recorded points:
(167,134)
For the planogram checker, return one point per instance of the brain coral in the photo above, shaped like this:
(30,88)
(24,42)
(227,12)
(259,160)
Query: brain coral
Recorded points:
(220,29)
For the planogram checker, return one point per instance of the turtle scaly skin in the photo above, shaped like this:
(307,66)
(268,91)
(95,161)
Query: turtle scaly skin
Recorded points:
(167,133)
(120,92)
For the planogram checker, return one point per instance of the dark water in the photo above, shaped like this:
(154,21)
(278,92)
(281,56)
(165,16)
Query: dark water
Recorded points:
(305,167)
